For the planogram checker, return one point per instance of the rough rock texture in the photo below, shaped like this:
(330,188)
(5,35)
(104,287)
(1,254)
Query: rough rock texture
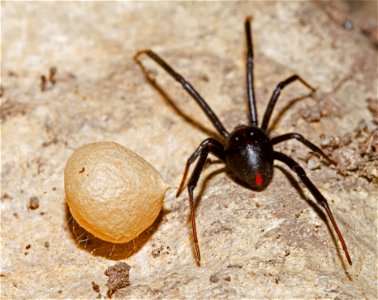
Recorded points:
(275,243)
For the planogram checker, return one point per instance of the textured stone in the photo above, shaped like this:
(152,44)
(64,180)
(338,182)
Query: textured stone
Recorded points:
(271,244)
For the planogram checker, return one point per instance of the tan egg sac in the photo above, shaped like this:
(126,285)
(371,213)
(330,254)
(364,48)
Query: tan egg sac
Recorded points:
(112,192)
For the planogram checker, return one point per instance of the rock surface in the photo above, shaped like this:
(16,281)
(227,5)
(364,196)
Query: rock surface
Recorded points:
(272,244)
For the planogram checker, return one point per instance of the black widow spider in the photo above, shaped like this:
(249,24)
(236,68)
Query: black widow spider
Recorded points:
(247,151)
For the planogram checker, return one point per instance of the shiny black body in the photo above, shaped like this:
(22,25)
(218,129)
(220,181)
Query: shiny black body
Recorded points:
(249,156)
(248,150)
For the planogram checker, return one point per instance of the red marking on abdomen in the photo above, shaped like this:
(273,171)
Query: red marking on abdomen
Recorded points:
(259,179)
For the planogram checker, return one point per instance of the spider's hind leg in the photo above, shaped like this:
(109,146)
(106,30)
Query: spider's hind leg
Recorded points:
(315,192)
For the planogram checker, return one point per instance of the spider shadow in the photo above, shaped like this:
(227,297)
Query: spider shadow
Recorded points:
(97,247)
(151,80)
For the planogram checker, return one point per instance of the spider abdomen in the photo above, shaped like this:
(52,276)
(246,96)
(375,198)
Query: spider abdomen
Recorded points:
(249,156)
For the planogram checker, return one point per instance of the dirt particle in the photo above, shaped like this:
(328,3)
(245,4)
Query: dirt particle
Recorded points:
(82,170)
(47,244)
(53,141)
(52,73)
(227,278)
(373,108)
(329,142)
(43,84)
(118,277)
(48,82)
(161,250)
(346,139)
(27,248)
(313,163)
(11,109)
(33,202)
(95,287)
(235,266)
(6,196)
(361,128)
(214,278)
(156,252)
(311,115)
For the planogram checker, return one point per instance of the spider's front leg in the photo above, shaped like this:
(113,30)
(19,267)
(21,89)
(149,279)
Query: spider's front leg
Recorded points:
(315,192)
(209,145)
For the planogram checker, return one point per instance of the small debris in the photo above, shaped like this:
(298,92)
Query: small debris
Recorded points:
(50,82)
(235,266)
(47,244)
(10,109)
(43,84)
(214,278)
(33,202)
(161,250)
(329,142)
(346,139)
(313,163)
(361,128)
(227,278)
(356,153)
(118,277)
(6,196)
(348,25)
(373,108)
(52,73)
(95,287)
(311,115)
(27,247)
(156,252)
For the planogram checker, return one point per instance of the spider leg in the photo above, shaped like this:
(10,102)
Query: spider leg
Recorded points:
(250,77)
(187,86)
(207,146)
(214,146)
(315,192)
(276,94)
(304,141)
